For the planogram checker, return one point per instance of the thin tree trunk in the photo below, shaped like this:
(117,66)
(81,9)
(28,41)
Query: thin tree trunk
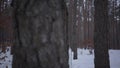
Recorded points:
(72,27)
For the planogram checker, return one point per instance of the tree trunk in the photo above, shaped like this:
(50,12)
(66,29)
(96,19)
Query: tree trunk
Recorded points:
(41,38)
(101,34)
(72,27)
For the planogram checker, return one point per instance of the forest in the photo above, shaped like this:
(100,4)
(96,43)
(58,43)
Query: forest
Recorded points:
(59,33)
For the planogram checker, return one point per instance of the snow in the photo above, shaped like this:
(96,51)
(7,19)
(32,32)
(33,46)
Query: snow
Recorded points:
(114,58)
(7,61)
(86,60)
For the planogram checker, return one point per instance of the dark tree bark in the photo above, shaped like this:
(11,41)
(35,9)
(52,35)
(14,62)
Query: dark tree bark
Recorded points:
(72,8)
(41,35)
(74,33)
(101,34)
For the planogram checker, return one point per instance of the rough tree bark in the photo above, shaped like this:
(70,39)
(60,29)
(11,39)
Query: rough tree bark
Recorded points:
(101,34)
(41,38)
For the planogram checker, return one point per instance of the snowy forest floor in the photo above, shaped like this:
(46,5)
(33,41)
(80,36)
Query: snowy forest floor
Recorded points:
(85,59)
(6,58)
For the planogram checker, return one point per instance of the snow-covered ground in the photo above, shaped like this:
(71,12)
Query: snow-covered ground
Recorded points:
(6,58)
(86,60)
(114,58)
